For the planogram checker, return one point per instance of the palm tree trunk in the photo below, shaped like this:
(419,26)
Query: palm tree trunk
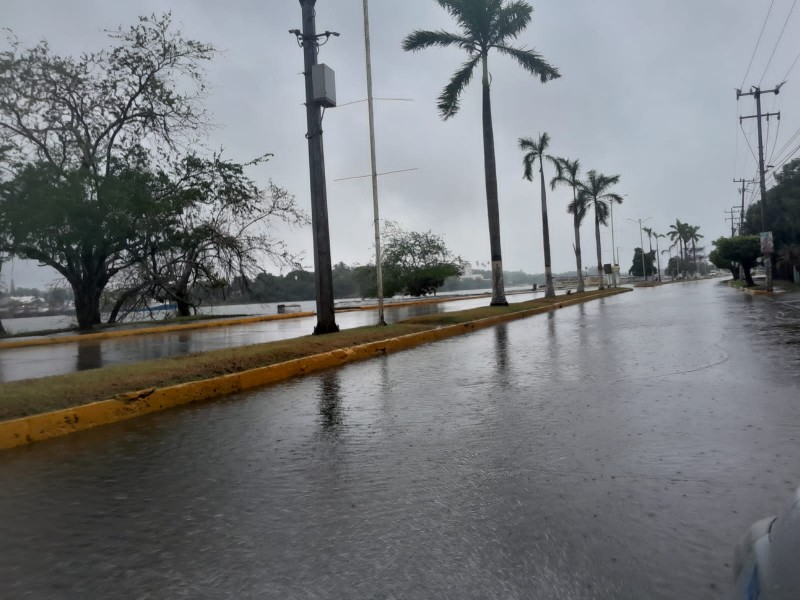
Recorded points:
(577,225)
(599,250)
(685,255)
(492,205)
(694,251)
(548,272)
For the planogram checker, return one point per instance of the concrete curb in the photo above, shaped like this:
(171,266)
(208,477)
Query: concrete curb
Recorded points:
(26,430)
(753,292)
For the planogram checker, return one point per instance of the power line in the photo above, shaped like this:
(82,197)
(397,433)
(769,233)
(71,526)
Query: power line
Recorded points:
(384,173)
(757,44)
(790,68)
(786,145)
(780,36)
(755,158)
(775,143)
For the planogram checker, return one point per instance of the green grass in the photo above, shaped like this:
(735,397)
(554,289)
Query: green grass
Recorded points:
(33,396)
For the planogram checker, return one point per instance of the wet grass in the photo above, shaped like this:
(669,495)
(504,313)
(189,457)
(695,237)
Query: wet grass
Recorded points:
(34,396)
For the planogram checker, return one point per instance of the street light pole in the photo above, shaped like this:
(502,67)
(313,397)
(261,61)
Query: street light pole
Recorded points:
(641,242)
(323,273)
(376,213)
(615,261)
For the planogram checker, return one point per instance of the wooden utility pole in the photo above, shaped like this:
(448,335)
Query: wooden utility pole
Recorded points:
(323,273)
(757,91)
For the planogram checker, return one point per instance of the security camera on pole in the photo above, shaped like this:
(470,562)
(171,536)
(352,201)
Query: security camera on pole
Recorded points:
(320,92)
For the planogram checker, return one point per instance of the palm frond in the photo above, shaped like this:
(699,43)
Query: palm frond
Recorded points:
(579,207)
(615,198)
(421,39)
(601,211)
(511,20)
(528,146)
(532,62)
(448,101)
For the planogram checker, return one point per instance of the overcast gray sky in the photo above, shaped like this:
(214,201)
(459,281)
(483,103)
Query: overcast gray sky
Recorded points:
(647,92)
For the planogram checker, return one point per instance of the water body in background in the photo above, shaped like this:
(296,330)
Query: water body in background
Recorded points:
(32,324)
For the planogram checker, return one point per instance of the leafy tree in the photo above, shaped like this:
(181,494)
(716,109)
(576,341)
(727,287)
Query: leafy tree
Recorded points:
(649,263)
(789,257)
(743,249)
(782,214)
(414,263)
(83,121)
(484,25)
(567,173)
(87,238)
(537,149)
(595,190)
(220,234)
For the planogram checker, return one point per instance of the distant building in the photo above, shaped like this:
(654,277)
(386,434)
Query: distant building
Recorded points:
(470,274)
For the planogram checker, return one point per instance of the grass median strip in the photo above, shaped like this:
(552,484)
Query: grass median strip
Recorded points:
(31,397)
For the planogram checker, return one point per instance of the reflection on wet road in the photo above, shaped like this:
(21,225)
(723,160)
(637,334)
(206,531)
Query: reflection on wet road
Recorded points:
(41,361)
(616,449)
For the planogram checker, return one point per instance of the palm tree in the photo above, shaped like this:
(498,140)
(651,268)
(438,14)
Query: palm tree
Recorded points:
(694,237)
(537,149)
(484,25)
(567,172)
(678,233)
(596,191)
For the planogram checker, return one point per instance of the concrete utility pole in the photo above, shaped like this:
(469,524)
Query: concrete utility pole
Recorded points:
(641,242)
(732,218)
(371,111)
(757,91)
(743,189)
(615,261)
(323,273)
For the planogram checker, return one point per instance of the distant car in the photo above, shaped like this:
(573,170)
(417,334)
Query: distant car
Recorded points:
(766,561)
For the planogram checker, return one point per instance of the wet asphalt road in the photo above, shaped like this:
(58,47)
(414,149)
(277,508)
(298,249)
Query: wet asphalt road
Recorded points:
(616,449)
(41,361)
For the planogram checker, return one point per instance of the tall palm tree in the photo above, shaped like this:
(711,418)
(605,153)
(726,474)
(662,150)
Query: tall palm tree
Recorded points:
(596,189)
(567,173)
(484,25)
(537,149)
(693,236)
(679,233)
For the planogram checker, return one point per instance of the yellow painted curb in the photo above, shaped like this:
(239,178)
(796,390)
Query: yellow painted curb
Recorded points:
(44,426)
(105,335)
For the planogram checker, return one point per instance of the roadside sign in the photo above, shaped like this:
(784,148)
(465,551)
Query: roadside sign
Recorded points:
(767,243)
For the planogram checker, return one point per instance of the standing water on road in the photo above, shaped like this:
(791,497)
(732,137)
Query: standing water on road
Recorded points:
(616,449)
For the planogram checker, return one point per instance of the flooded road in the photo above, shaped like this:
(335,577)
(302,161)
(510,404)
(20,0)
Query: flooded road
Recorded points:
(616,449)
(41,361)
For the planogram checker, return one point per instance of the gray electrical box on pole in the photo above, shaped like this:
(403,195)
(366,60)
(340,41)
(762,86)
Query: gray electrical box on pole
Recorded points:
(323,85)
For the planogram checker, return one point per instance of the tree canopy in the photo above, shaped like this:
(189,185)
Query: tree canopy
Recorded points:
(414,263)
(104,176)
